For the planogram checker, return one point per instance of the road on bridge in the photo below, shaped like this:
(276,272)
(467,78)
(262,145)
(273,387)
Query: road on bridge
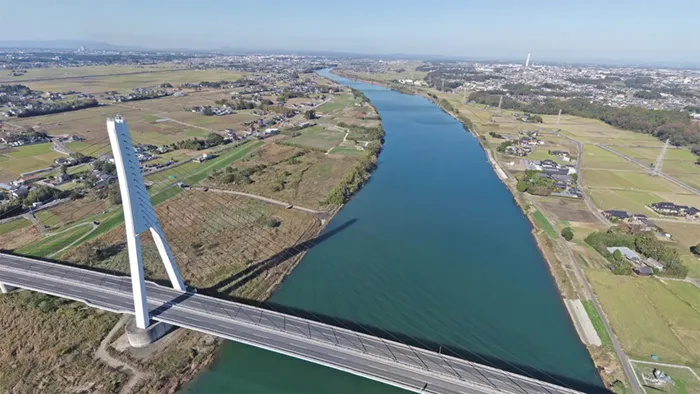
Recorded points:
(390,362)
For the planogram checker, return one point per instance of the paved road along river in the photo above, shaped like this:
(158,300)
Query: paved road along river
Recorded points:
(432,249)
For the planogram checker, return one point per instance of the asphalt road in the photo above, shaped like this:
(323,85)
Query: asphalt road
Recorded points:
(390,362)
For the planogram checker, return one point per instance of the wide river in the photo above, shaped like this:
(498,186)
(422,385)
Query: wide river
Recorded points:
(434,249)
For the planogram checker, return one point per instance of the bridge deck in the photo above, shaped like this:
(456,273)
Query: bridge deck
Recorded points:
(411,368)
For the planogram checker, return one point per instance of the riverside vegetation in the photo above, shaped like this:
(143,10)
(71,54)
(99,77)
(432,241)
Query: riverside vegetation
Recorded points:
(207,232)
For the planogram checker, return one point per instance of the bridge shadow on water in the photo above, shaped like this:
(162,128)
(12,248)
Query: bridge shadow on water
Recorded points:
(253,271)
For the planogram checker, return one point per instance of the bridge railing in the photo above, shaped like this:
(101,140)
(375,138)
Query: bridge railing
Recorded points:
(164,298)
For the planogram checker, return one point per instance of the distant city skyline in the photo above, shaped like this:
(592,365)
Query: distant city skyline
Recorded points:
(624,31)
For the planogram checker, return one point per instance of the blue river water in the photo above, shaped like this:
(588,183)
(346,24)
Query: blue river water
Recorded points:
(432,251)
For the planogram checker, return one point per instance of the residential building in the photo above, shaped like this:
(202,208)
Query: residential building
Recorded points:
(613,214)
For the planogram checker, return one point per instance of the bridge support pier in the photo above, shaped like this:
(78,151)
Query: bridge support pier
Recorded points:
(4,289)
(142,337)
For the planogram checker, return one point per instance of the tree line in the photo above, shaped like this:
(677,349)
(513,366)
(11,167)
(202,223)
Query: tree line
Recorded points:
(54,108)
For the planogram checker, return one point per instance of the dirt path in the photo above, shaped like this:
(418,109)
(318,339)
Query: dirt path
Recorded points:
(345,137)
(94,227)
(319,214)
(35,222)
(103,355)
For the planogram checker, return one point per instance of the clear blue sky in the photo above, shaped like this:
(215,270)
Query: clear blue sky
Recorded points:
(624,30)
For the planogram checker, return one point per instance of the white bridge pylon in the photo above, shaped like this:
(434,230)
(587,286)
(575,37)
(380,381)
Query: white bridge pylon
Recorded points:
(139,216)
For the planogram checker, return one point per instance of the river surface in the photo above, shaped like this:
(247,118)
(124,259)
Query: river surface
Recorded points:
(433,249)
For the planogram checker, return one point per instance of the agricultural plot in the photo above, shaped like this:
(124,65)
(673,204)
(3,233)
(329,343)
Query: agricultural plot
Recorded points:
(318,138)
(125,82)
(26,158)
(348,151)
(213,237)
(338,103)
(629,180)
(51,244)
(73,72)
(13,225)
(626,200)
(599,158)
(650,317)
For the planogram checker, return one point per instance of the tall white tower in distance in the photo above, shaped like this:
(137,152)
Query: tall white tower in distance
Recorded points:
(527,61)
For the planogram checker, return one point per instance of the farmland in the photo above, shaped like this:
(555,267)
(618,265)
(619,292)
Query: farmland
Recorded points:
(317,138)
(651,317)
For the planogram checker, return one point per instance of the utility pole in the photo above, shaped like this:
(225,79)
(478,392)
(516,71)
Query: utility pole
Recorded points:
(443,86)
(656,170)
(559,117)
(500,102)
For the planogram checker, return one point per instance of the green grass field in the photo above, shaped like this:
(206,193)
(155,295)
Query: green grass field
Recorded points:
(48,219)
(651,317)
(631,201)
(51,244)
(13,225)
(338,103)
(29,158)
(150,118)
(598,324)
(685,381)
(30,150)
(543,224)
(317,137)
(628,180)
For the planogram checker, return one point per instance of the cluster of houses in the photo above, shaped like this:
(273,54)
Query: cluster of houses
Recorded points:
(640,265)
(671,209)
(204,157)
(212,110)
(524,145)
(635,223)
(20,139)
(139,94)
(562,176)
(13,190)
(563,155)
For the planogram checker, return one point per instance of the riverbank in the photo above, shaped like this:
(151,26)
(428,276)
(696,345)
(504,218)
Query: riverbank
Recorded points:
(551,252)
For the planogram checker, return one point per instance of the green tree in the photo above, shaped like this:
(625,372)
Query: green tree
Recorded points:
(695,249)
(617,256)
(310,114)
(567,233)
(114,196)
(214,139)
(522,186)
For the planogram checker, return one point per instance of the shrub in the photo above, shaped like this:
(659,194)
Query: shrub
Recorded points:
(567,233)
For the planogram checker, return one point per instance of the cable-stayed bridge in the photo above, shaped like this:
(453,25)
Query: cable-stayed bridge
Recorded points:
(399,364)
